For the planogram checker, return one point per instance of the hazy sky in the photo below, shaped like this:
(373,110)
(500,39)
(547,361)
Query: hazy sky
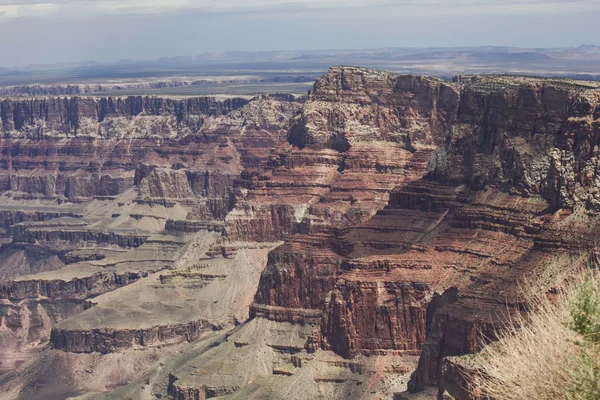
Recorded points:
(49,31)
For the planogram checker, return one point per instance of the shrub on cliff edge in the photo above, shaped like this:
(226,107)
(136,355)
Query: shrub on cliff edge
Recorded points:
(552,353)
(584,318)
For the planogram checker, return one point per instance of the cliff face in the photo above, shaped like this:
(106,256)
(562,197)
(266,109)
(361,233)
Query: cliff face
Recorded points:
(436,266)
(83,89)
(385,218)
(108,117)
(99,193)
(353,105)
(531,138)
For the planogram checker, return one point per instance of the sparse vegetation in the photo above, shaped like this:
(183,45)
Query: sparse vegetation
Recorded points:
(552,353)
(584,313)
(490,83)
(197,267)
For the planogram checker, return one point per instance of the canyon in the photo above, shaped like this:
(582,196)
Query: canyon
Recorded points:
(362,241)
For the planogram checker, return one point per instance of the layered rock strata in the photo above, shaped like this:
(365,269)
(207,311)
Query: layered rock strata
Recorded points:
(86,212)
(330,242)
(440,265)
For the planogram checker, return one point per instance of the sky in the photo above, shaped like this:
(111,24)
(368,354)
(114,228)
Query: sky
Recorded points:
(53,31)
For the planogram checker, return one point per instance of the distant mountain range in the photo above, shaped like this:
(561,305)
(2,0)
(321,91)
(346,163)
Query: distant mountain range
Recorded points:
(490,53)
(268,66)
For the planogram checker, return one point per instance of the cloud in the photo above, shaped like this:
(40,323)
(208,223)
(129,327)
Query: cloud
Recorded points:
(49,31)
(42,8)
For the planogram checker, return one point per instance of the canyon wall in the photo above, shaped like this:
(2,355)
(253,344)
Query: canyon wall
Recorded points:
(86,212)
(384,217)
(83,89)
(107,117)
(508,179)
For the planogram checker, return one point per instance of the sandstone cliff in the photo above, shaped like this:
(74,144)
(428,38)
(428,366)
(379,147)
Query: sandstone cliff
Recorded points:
(525,136)
(511,173)
(353,105)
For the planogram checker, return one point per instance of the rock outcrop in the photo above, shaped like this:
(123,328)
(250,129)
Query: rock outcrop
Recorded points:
(109,117)
(527,137)
(83,89)
(111,341)
(353,105)
(483,215)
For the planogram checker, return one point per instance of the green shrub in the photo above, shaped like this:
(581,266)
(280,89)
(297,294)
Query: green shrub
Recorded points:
(586,376)
(584,308)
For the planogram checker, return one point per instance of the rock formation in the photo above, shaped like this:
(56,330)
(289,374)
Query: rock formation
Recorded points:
(353,243)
